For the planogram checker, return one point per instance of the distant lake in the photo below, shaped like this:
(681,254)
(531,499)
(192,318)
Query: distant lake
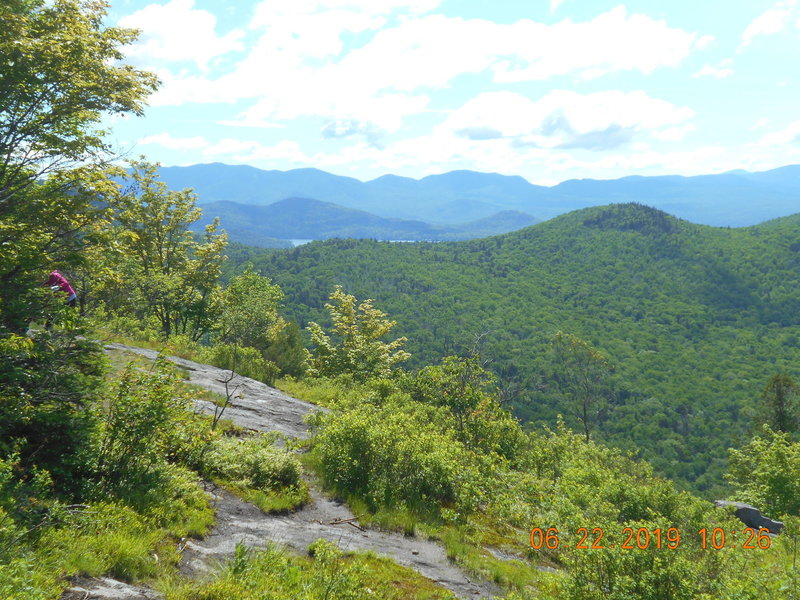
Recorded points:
(296,243)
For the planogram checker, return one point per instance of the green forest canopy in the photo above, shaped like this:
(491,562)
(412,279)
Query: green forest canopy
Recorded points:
(694,319)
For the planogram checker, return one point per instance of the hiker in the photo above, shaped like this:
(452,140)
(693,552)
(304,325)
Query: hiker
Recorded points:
(58,282)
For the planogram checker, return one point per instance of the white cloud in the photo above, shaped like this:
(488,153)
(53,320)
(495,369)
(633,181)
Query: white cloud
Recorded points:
(427,52)
(720,71)
(300,67)
(611,42)
(177,32)
(236,150)
(507,133)
(442,151)
(702,160)
(762,122)
(166,140)
(768,23)
(302,31)
(439,153)
(269,9)
(789,135)
(433,154)
(566,119)
(554,4)
(339,109)
(433,50)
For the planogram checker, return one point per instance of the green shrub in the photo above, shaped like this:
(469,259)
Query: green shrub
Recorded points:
(463,386)
(340,392)
(766,473)
(400,454)
(287,351)
(183,346)
(136,420)
(326,573)
(25,498)
(22,578)
(354,345)
(569,484)
(252,462)
(45,381)
(243,360)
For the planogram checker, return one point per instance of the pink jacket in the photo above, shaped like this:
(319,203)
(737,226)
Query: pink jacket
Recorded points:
(58,279)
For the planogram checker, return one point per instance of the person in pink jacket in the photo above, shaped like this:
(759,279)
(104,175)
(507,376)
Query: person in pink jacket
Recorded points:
(58,282)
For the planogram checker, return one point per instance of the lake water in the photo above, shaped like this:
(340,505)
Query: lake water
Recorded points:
(299,242)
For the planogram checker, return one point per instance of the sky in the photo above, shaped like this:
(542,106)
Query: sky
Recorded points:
(546,89)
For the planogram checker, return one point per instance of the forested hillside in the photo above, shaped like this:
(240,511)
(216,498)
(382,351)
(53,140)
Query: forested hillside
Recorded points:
(694,319)
(303,218)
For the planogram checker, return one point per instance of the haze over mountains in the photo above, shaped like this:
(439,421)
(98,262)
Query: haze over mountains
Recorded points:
(736,198)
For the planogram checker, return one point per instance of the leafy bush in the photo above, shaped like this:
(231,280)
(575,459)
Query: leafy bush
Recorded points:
(766,473)
(286,350)
(326,391)
(463,386)
(252,462)
(183,346)
(244,360)
(568,484)
(326,574)
(25,498)
(355,346)
(22,579)
(400,454)
(135,424)
(44,383)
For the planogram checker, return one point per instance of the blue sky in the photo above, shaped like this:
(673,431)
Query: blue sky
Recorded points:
(546,89)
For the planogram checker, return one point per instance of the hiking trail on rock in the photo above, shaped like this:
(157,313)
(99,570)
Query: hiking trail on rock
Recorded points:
(259,407)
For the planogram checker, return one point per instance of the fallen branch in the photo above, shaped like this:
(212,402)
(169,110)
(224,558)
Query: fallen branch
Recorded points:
(348,522)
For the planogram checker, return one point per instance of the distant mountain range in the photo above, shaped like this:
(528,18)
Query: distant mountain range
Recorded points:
(736,198)
(303,218)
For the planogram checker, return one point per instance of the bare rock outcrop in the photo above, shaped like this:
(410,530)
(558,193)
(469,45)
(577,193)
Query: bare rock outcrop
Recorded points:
(751,516)
(105,588)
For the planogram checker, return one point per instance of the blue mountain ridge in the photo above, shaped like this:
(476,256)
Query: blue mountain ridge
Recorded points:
(735,198)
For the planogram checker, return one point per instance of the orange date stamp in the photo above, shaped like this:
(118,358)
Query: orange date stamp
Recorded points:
(642,538)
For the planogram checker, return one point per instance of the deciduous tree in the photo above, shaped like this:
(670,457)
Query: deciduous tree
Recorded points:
(249,315)
(248,324)
(781,404)
(356,345)
(766,473)
(169,273)
(60,73)
(581,378)
(469,391)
